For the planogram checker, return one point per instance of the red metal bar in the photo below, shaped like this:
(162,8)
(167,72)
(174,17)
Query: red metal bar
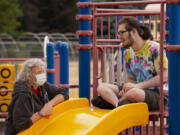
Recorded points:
(117,10)
(109,25)
(116,27)
(154,128)
(84,46)
(95,55)
(67,86)
(108,4)
(84,4)
(162,38)
(84,17)
(108,41)
(13,59)
(147,129)
(109,46)
(102,60)
(128,14)
(126,131)
(134,131)
(173,2)
(172,48)
(141,130)
(57,67)
(102,27)
(156,26)
(84,33)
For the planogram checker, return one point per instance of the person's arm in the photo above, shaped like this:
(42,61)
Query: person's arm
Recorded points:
(44,112)
(47,109)
(56,100)
(35,117)
(155,81)
(53,91)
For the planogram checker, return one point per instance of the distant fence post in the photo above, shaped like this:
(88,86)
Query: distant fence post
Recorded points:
(62,48)
(50,62)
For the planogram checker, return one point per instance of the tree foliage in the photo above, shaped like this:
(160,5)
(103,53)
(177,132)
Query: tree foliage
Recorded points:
(42,15)
(9,14)
(49,15)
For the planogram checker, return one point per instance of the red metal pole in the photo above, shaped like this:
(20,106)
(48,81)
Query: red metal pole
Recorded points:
(116,27)
(109,25)
(128,14)
(101,27)
(95,56)
(161,69)
(108,4)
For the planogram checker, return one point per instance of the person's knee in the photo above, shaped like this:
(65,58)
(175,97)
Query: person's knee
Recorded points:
(100,88)
(134,95)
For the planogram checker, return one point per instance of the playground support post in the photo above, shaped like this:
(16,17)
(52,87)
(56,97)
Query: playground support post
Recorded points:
(173,11)
(63,50)
(84,55)
(50,62)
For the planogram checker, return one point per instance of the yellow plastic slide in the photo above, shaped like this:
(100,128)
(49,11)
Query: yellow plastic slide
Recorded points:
(75,117)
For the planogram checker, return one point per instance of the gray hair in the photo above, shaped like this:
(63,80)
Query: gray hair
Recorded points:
(26,71)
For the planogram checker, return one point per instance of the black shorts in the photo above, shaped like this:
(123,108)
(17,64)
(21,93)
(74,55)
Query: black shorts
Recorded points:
(152,98)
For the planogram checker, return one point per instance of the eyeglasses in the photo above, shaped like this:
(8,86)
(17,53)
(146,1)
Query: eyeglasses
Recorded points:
(121,32)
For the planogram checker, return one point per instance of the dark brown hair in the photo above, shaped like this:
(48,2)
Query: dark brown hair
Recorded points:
(132,22)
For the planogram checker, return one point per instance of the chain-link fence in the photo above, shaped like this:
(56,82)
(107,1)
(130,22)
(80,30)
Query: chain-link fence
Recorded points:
(31,44)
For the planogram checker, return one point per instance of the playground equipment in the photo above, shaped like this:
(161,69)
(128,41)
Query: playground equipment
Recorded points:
(75,117)
(7,78)
(85,45)
(99,13)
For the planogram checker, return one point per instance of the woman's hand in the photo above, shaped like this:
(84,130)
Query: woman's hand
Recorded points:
(47,109)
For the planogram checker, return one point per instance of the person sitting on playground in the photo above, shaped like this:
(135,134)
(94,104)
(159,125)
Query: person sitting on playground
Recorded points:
(33,97)
(142,59)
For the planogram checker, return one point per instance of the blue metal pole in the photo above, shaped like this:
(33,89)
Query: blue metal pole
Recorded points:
(174,69)
(84,55)
(50,62)
(63,50)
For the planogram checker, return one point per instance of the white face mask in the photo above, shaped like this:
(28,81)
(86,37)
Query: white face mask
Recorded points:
(40,79)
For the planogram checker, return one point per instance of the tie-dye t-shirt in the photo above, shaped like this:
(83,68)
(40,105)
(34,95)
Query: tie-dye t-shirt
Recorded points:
(145,63)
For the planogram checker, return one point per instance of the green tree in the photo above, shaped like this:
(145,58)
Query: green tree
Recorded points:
(49,15)
(9,14)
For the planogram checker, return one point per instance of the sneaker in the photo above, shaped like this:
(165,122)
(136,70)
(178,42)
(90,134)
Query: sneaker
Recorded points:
(98,101)
(123,102)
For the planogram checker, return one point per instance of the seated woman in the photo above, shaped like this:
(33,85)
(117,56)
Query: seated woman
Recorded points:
(32,97)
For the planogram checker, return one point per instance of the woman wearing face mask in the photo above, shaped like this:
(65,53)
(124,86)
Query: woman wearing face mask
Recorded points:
(33,97)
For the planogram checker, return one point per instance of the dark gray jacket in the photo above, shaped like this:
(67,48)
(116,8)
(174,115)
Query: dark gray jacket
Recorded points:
(25,103)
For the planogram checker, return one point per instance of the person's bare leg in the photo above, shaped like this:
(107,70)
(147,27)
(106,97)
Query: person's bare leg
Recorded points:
(134,95)
(109,92)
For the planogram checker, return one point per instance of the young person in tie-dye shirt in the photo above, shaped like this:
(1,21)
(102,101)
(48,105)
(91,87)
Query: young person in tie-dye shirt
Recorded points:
(142,59)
